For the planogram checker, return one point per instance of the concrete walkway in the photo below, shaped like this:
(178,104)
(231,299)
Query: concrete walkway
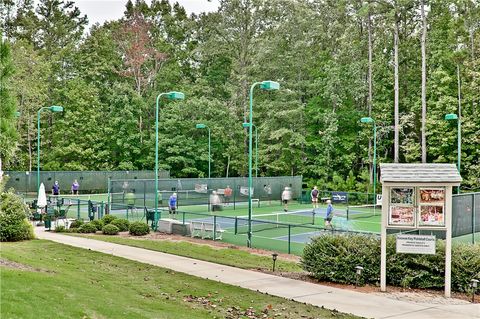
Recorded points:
(360,304)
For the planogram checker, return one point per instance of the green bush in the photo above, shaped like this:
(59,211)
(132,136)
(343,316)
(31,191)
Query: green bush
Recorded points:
(87,228)
(333,258)
(139,229)
(122,224)
(98,223)
(107,219)
(14,225)
(110,229)
(76,223)
(60,229)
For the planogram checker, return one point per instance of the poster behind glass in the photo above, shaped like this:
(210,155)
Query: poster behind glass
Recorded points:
(402,209)
(432,207)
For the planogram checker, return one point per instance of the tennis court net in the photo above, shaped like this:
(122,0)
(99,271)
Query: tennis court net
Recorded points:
(363,211)
(262,222)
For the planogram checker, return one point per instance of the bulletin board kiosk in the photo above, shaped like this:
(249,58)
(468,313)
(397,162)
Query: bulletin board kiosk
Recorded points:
(417,198)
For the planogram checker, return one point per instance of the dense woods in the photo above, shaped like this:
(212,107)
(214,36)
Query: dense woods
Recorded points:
(336,61)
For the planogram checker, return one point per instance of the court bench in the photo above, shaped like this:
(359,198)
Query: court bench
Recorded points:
(206,230)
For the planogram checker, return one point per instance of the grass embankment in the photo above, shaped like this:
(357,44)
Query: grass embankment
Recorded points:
(42,279)
(225,256)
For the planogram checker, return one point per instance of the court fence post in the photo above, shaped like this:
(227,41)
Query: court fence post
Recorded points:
(236,224)
(234,193)
(289,234)
(214,226)
(101,210)
(78,208)
(183,218)
(474,213)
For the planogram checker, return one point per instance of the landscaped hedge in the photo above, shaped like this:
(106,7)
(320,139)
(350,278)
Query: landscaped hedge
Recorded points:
(122,224)
(14,225)
(107,219)
(110,229)
(139,229)
(334,258)
(98,223)
(76,223)
(87,228)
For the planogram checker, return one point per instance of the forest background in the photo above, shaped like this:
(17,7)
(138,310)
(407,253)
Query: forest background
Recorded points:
(405,63)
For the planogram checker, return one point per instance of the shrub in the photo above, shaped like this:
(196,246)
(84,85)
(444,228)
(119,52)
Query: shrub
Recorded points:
(87,228)
(60,229)
(107,219)
(14,225)
(122,224)
(139,229)
(98,223)
(76,223)
(110,229)
(333,258)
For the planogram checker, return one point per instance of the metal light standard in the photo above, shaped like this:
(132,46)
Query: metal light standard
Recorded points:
(452,117)
(245,125)
(370,120)
(202,126)
(170,96)
(268,86)
(53,108)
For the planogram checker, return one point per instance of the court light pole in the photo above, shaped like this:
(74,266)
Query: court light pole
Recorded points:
(202,126)
(268,86)
(53,108)
(371,120)
(453,117)
(245,125)
(173,95)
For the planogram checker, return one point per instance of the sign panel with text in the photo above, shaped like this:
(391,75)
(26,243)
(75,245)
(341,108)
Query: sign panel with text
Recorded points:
(416,244)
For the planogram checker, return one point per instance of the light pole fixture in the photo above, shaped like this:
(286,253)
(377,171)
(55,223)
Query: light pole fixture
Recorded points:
(268,86)
(53,108)
(274,258)
(453,117)
(368,120)
(246,125)
(358,273)
(203,126)
(173,95)
(474,285)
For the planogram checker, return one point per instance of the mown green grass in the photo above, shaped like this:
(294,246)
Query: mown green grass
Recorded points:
(68,282)
(225,256)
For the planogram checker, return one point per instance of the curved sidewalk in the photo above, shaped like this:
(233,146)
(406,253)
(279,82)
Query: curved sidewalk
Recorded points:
(357,303)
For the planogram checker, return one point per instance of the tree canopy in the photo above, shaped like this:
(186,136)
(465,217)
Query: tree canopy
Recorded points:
(335,61)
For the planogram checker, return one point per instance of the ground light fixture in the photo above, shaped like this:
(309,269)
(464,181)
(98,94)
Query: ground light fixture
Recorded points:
(368,120)
(453,117)
(203,126)
(172,95)
(246,125)
(274,259)
(473,285)
(55,109)
(268,86)
(358,274)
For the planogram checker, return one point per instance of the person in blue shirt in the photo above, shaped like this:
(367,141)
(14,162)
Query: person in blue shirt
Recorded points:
(172,205)
(56,188)
(329,214)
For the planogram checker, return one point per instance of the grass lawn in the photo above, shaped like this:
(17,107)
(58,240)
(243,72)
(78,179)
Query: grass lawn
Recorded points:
(225,256)
(42,279)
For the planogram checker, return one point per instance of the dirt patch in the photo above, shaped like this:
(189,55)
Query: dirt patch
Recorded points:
(19,266)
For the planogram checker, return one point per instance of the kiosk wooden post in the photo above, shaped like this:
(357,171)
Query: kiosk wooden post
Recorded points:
(417,197)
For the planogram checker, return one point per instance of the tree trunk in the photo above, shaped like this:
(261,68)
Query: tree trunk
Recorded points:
(396,128)
(424,84)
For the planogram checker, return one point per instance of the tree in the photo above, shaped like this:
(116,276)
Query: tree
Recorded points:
(8,107)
